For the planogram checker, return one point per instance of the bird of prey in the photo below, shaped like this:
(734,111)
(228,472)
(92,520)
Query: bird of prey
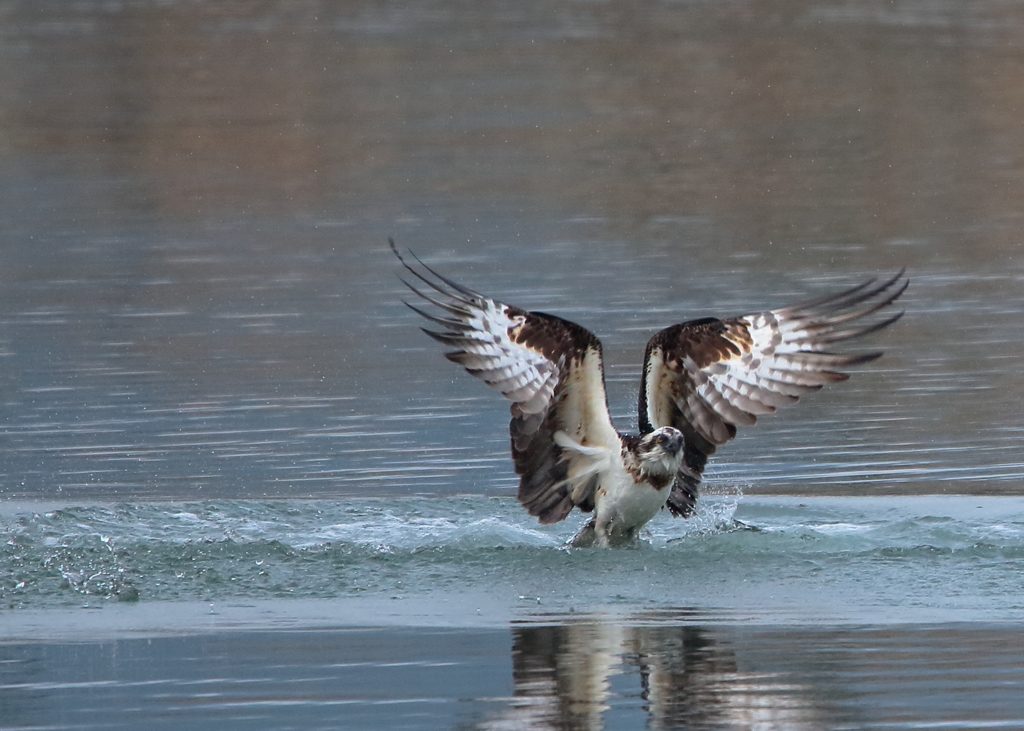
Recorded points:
(701,380)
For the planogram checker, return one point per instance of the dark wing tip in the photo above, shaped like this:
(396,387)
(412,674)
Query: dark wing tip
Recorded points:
(396,252)
(831,306)
(862,358)
(440,283)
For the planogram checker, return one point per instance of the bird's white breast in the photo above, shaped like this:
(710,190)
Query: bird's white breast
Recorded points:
(625,505)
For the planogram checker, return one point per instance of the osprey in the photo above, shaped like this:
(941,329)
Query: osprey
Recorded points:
(701,380)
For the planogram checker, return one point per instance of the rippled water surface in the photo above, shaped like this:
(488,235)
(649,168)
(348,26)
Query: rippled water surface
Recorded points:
(239,487)
(197,300)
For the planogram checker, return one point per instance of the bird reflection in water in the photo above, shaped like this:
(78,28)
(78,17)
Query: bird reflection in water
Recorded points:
(568,676)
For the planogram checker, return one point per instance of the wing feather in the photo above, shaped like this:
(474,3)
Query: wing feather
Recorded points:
(706,377)
(551,370)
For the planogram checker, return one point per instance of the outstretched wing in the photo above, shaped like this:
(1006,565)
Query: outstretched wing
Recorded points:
(706,377)
(552,372)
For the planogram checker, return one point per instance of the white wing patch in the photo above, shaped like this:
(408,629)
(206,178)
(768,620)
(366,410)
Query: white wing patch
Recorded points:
(563,440)
(714,375)
(522,375)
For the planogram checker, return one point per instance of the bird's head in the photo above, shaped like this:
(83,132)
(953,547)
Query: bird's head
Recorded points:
(661,451)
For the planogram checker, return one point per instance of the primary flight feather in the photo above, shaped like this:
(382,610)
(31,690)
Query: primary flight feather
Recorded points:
(701,380)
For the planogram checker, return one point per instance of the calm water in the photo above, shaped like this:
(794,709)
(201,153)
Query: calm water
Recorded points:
(238,486)
(581,674)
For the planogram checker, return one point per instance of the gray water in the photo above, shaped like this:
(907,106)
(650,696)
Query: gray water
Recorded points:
(239,487)
(579,674)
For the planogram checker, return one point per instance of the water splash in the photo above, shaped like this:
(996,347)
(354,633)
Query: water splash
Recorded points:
(743,551)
